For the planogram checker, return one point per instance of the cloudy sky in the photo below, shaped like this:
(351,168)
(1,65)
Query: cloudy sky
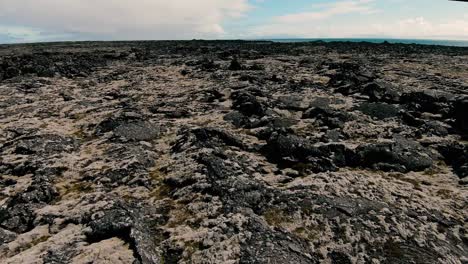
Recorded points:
(51,20)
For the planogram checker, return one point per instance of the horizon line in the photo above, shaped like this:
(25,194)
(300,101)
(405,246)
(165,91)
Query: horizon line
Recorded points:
(244,39)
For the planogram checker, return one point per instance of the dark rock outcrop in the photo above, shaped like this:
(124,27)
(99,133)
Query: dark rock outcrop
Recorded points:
(400,155)
(379,110)
(461,116)
(291,150)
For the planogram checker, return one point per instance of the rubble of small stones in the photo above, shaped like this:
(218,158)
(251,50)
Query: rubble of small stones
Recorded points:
(233,152)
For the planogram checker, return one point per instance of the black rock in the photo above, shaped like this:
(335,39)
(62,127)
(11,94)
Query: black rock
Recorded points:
(456,155)
(379,110)
(431,101)
(18,213)
(333,135)
(327,116)
(291,151)
(435,128)
(66,96)
(461,115)
(206,65)
(291,103)
(132,225)
(137,131)
(349,77)
(24,168)
(401,155)
(178,113)
(381,92)
(321,102)
(6,236)
(256,67)
(412,118)
(268,246)
(205,137)
(44,144)
(339,258)
(11,72)
(114,223)
(129,127)
(248,104)
(235,65)
(237,119)
(213,95)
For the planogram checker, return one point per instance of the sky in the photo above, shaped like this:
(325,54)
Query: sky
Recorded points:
(57,20)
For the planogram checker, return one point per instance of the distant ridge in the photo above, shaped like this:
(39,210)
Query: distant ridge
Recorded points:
(454,43)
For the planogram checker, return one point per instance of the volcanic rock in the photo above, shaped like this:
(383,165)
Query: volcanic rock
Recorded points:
(233,152)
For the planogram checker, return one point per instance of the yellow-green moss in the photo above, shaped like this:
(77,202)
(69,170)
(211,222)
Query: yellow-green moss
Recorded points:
(275,217)
(161,192)
(33,243)
(79,187)
(444,193)
(190,248)
(156,176)
(80,134)
(79,116)
(308,233)
(179,217)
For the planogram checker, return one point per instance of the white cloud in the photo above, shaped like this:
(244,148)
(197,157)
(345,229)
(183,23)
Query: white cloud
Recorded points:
(330,10)
(124,19)
(23,33)
(420,27)
(328,23)
(311,24)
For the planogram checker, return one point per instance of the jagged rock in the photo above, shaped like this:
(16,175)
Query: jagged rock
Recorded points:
(333,135)
(237,119)
(349,77)
(44,144)
(18,213)
(461,110)
(213,95)
(435,128)
(339,258)
(456,155)
(290,150)
(248,104)
(114,223)
(11,72)
(6,236)
(204,64)
(48,65)
(178,113)
(256,67)
(21,169)
(138,131)
(266,246)
(206,137)
(129,127)
(235,65)
(131,226)
(431,101)
(291,103)
(381,92)
(379,110)
(412,118)
(327,116)
(401,155)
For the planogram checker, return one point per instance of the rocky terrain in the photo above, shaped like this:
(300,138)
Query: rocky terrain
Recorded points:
(233,152)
